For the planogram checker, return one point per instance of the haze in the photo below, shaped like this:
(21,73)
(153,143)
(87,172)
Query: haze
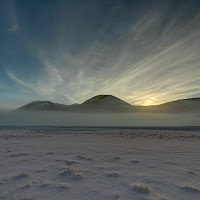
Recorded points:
(84,119)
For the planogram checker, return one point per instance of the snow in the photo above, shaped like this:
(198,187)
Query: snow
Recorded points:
(99,163)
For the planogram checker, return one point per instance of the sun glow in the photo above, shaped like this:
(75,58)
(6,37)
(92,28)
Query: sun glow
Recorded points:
(149,102)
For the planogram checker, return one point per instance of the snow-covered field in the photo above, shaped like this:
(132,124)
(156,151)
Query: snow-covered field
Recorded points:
(99,164)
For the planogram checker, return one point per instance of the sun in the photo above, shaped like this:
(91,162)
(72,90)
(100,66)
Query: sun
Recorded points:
(149,102)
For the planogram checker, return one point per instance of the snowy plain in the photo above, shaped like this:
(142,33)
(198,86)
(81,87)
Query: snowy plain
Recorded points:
(57,163)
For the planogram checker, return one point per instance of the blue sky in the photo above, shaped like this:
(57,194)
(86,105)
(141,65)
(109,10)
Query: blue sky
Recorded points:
(144,52)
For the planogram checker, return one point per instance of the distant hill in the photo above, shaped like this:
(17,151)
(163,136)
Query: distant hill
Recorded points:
(111,104)
(43,106)
(103,103)
(183,105)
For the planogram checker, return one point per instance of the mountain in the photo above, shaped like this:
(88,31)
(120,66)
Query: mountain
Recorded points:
(100,103)
(111,104)
(103,103)
(43,106)
(183,105)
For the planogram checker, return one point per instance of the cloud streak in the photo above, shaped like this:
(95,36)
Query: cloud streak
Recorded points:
(135,68)
(14,24)
(145,58)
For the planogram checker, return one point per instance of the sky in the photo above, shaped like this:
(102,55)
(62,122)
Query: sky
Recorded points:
(145,52)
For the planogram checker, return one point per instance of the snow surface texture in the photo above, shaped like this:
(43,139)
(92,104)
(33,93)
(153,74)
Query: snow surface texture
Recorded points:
(99,164)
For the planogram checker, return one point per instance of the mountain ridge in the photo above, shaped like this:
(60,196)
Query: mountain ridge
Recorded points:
(109,103)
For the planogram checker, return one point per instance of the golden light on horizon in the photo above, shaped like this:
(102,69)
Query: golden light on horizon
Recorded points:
(150,101)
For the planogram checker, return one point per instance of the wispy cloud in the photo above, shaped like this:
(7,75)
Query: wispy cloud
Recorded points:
(17,80)
(14,27)
(135,68)
(14,24)
(150,59)
(3,86)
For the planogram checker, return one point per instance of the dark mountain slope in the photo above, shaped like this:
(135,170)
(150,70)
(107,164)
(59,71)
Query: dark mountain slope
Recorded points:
(103,103)
(43,106)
